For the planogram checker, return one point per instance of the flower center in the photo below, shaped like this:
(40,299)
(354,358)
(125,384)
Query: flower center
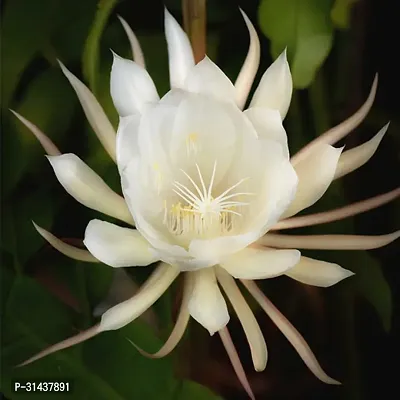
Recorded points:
(199,213)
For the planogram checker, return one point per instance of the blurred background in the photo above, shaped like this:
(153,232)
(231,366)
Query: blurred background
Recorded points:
(334,47)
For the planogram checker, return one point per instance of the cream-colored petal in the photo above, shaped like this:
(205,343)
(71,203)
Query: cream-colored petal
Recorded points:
(207,78)
(260,263)
(328,242)
(245,79)
(179,327)
(117,246)
(235,361)
(49,147)
(246,317)
(318,273)
(127,140)
(137,52)
(290,332)
(180,53)
(70,251)
(85,186)
(315,174)
(124,313)
(131,87)
(339,131)
(268,124)
(352,159)
(275,88)
(94,113)
(206,304)
(338,213)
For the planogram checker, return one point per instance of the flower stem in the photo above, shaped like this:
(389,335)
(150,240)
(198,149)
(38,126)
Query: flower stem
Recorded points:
(194,22)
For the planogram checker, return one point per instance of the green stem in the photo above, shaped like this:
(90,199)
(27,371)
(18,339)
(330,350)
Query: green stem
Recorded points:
(194,22)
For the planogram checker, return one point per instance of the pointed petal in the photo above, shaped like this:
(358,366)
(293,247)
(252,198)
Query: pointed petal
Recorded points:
(315,174)
(246,317)
(206,304)
(318,273)
(328,242)
(339,131)
(124,313)
(338,213)
(117,246)
(206,78)
(70,251)
(260,263)
(131,87)
(290,332)
(235,361)
(249,69)
(180,54)
(49,147)
(80,337)
(268,124)
(179,328)
(127,140)
(352,159)
(137,52)
(94,113)
(275,88)
(85,186)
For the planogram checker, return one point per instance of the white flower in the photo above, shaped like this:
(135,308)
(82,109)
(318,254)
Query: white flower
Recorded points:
(204,183)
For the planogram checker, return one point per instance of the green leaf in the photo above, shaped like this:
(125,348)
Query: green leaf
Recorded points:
(49,103)
(195,391)
(341,13)
(92,46)
(305,28)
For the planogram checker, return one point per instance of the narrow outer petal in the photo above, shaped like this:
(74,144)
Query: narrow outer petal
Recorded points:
(290,332)
(246,317)
(116,246)
(207,305)
(94,113)
(260,262)
(137,52)
(180,53)
(318,273)
(352,159)
(249,69)
(275,88)
(124,313)
(85,186)
(315,174)
(131,87)
(70,251)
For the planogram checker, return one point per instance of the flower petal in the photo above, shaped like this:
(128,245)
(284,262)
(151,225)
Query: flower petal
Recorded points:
(127,140)
(117,246)
(352,159)
(318,273)
(290,332)
(137,52)
(94,113)
(328,242)
(85,186)
(180,54)
(70,251)
(49,147)
(206,78)
(206,304)
(275,88)
(249,68)
(315,174)
(246,317)
(131,87)
(268,124)
(179,328)
(260,263)
(124,313)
